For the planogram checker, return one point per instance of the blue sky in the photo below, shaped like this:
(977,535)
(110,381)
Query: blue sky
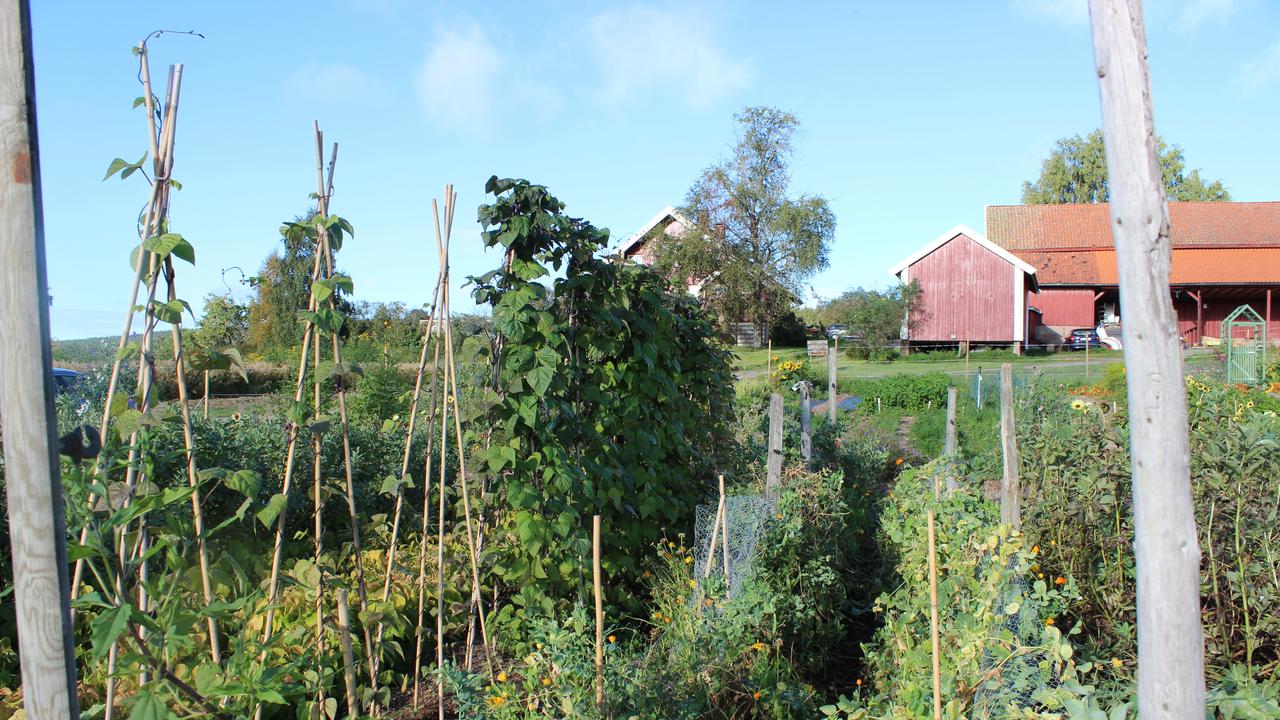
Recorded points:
(915,117)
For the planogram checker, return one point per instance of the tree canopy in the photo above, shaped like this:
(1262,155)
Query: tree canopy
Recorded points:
(874,317)
(754,243)
(1076,172)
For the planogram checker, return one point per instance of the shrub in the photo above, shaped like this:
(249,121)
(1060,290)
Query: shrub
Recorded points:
(1075,468)
(907,392)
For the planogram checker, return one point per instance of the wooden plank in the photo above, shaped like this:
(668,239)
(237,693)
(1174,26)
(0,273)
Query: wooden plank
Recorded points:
(815,348)
(37,533)
(1171,682)
(774,459)
(949,446)
(1010,489)
(806,423)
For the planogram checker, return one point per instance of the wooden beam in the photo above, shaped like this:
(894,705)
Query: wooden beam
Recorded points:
(1199,298)
(773,462)
(1170,637)
(37,533)
(1010,486)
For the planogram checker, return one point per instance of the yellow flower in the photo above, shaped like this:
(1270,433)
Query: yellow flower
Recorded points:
(758,646)
(671,544)
(1049,621)
(502,677)
(1116,662)
(613,638)
(755,695)
(497,701)
(667,620)
(1035,549)
(693,583)
(688,560)
(546,682)
(859,682)
(533,704)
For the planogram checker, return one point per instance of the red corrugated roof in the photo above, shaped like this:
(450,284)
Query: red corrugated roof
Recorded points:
(1081,226)
(1191,266)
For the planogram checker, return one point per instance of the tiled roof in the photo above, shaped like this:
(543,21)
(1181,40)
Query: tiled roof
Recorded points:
(1191,266)
(1080,226)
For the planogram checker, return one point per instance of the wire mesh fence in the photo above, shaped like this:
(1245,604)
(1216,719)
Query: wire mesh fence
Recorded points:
(746,517)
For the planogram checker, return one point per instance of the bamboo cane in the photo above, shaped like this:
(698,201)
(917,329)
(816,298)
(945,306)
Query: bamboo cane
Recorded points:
(933,619)
(462,468)
(318,503)
(596,584)
(724,530)
(426,526)
(348,664)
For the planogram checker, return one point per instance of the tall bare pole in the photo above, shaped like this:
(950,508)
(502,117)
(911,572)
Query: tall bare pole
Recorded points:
(38,537)
(1170,638)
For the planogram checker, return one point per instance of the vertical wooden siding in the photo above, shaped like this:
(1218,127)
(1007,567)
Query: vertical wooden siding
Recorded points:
(966,294)
(1066,306)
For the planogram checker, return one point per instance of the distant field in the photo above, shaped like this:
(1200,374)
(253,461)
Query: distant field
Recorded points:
(750,362)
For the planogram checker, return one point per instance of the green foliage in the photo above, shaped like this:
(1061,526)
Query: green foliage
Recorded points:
(874,318)
(614,399)
(223,322)
(988,616)
(788,330)
(283,286)
(904,391)
(1082,519)
(1076,172)
(754,243)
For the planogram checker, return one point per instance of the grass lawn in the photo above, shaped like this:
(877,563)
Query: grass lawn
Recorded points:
(751,362)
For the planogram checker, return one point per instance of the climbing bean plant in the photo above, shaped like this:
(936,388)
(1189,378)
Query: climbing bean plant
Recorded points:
(614,397)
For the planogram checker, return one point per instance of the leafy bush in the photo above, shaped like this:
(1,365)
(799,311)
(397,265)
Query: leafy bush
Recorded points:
(615,398)
(1075,469)
(992,612)
(908,392)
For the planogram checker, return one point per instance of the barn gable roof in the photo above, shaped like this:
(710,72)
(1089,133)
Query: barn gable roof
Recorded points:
(973,235)
(636,238)
(1087,226)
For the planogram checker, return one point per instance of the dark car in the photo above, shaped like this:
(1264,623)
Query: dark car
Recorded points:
(64,379)
(1082,338)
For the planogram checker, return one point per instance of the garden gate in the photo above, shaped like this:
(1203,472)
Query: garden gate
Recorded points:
(1245,336)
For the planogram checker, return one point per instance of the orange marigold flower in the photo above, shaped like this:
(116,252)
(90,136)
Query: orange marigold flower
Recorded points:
(1060,580)
(898,461)
(755,695)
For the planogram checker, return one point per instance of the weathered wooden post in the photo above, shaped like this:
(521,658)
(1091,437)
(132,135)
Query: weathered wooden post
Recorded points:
(949,446)
(37,534)
(1010,490)
(806,423)
(933,618)
(831,381)
(1170,637)
(774,461)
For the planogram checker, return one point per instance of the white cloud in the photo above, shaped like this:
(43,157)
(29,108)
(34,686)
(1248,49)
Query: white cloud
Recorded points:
(457,83)
(1066,12)
(330,81)
(1197,12)
(643,50)
(1263,69)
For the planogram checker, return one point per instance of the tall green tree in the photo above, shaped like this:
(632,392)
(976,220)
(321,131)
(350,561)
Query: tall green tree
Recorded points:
(1076,172)
(754,244)
(874,317)
(283,287)
(223,323)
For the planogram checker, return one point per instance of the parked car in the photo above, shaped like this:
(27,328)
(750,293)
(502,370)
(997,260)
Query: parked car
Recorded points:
(837,330)
(64,379)
(1080,338)
(1109,335)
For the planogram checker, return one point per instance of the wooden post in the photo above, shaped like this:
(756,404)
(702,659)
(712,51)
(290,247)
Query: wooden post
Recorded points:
(1267,317)
(1010,490)
(206,395)
(1086,357)
(806,424)
(38,538)
(831,383)
(933,619)
(1171,682)
(596,583)
(949,446)
(774,460)
(348,663)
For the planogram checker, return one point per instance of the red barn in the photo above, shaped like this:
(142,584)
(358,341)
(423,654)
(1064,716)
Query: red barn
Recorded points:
(972,291)
(1225,254)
